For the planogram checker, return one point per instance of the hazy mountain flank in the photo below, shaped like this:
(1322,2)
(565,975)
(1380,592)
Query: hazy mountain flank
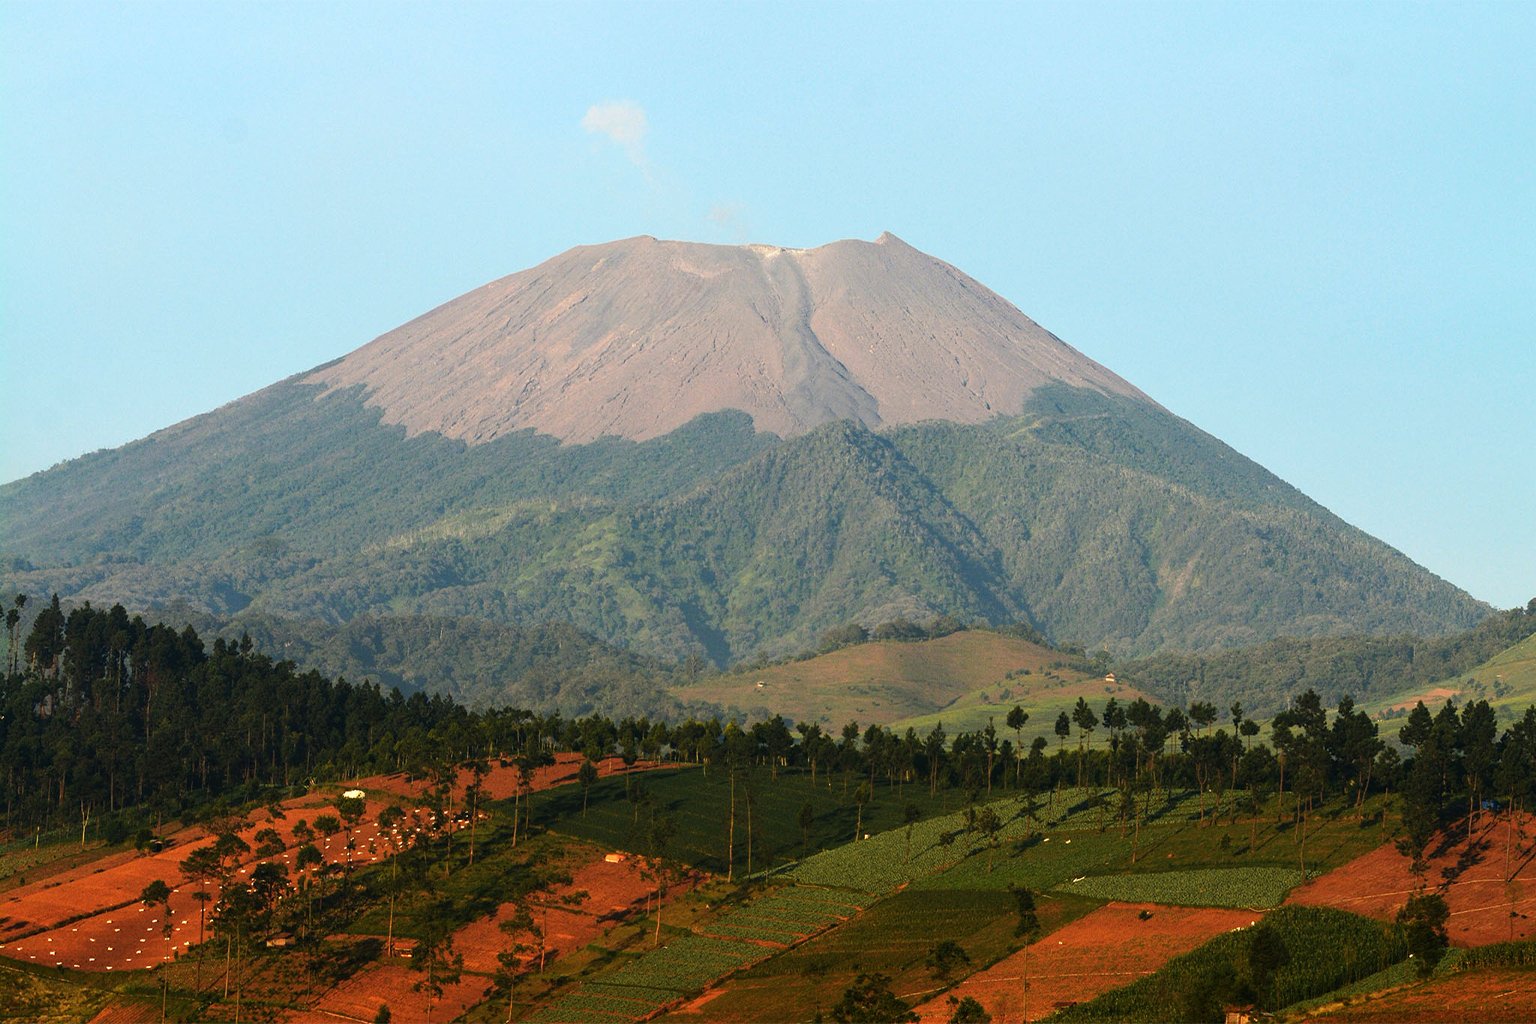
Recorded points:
(719,451)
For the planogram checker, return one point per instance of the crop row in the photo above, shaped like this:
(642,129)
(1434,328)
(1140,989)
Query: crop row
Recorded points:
(686,963)
(750,930)
(802,921)
(1404,972)
(800,904)
(581,1007)
(1255,887)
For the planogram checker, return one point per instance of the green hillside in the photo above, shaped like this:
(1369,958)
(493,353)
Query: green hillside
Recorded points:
(1377,671)
(1507,681)
(961,679)
(1101,521)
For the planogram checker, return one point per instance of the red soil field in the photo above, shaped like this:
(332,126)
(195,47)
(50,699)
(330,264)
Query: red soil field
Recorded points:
(65,919)
(360,996)
(613,890)
(1105,949)
(502,781)
(127,1011)
(1496,996)
(1470,874)
(90,917)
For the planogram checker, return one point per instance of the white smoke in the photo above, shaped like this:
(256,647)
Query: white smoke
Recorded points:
(625,125)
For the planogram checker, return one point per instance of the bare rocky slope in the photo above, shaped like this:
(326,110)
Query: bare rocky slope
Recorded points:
(636,338)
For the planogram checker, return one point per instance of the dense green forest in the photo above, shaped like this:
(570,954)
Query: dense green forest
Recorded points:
(1267,676)
(1100,521)
(477,663)
(105,714)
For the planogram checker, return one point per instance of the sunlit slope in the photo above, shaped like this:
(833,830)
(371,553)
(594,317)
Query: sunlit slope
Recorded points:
(961,679)
(1507,681)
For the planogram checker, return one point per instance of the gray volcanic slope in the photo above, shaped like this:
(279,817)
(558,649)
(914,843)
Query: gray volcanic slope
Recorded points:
(637,337)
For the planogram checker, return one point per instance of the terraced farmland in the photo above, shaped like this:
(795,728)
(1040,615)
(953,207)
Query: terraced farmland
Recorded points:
(892,937)
(699,804)
(1325,949)
(739,937)
(652,980)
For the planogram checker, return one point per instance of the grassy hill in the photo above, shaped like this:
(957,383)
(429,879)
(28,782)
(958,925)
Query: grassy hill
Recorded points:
(1507,681)
(1377,671)
(961,679)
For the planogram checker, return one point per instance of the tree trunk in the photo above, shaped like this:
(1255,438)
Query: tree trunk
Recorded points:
(730,833)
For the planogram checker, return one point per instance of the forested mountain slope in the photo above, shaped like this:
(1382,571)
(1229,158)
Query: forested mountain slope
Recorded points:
(1099,520)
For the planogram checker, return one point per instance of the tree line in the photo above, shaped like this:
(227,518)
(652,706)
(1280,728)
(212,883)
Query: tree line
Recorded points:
(103,714)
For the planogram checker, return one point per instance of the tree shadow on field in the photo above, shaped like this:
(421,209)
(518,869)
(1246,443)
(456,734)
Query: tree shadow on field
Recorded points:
(335,963)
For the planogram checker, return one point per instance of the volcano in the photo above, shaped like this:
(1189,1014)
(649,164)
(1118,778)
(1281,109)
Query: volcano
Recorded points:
(706,452)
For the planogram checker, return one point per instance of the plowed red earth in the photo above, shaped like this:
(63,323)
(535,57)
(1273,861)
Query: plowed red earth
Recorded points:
(90,917)
(1470,874)
(360,996)
(1106,949)
(1502,996)
(502,782)
(128,1012)
(613,890)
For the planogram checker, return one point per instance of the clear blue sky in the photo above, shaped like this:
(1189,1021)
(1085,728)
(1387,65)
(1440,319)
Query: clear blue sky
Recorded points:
(1309,229)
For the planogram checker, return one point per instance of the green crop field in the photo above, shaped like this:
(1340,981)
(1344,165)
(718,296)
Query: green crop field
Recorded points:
(901,855)
(893,937)
(786,916)
(1404,972)
(636,985)
(699,805)
(647,982)
(1255,888)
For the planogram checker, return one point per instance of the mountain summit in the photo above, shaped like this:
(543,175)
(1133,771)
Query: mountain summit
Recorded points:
(637,337)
